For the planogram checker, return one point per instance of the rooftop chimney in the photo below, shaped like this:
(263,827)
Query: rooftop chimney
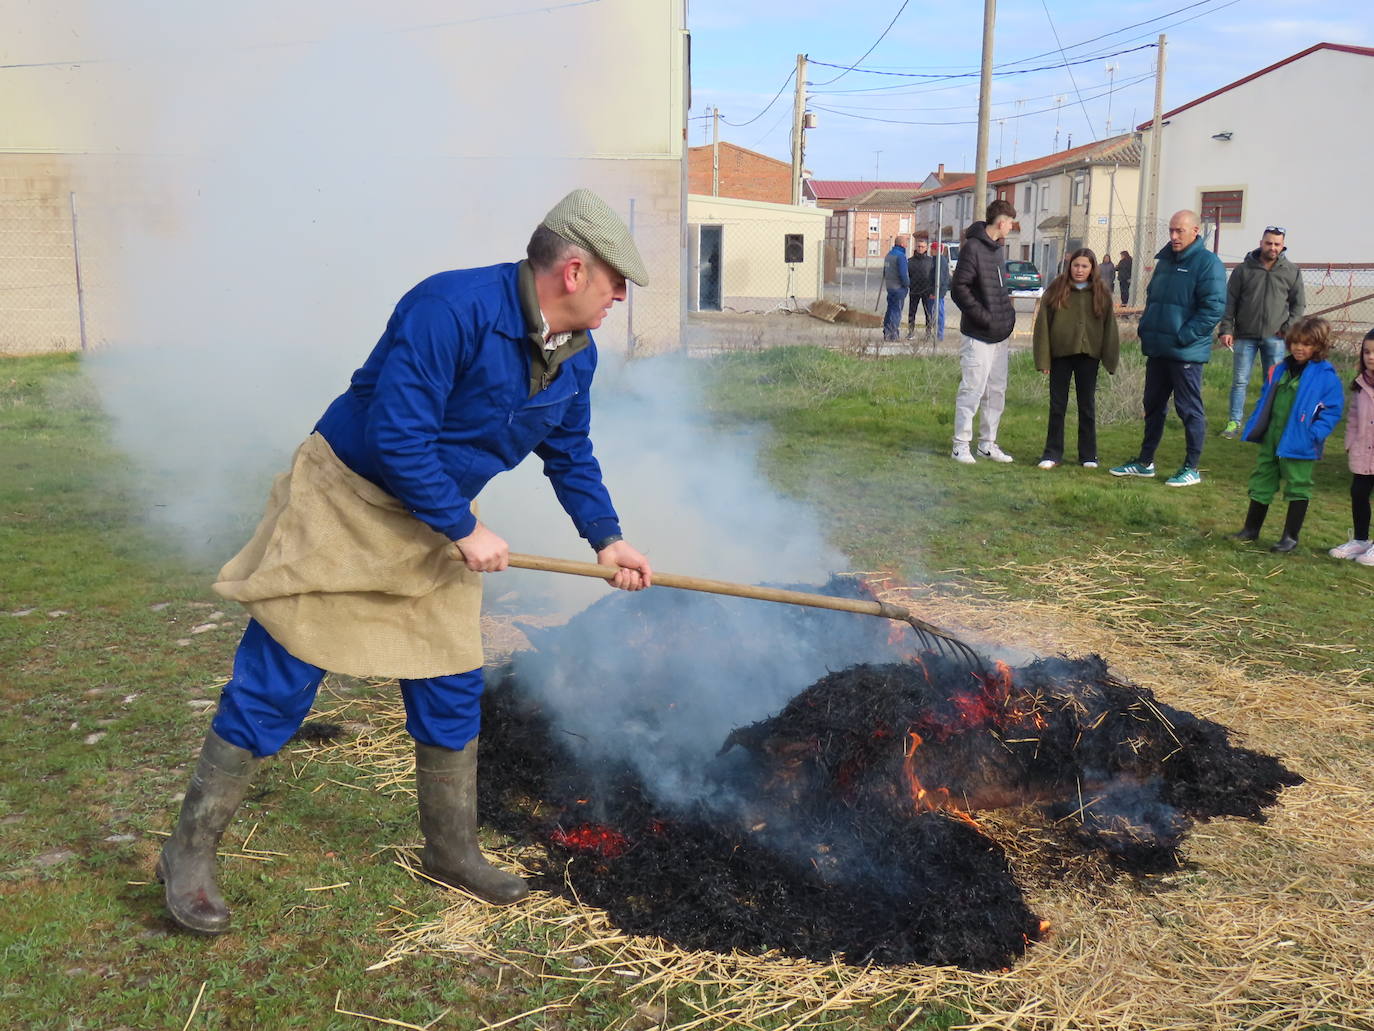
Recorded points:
(940,172)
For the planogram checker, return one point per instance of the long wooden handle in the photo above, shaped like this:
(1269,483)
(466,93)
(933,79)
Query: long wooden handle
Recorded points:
(734,590)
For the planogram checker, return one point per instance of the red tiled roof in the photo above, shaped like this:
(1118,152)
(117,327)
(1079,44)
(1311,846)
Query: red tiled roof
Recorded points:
(1040,164)
(838,189)
(1342,47)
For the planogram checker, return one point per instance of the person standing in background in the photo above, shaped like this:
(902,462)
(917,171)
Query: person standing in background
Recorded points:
(921,269)
(1124,267)
(896,281)
(1264,296)
(1108,273)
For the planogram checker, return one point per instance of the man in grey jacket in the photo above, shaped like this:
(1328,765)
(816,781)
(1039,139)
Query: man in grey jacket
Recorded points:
(1264,297)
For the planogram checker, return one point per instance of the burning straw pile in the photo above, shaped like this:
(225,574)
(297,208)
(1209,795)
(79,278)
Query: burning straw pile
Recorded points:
(843,823)
(901,811)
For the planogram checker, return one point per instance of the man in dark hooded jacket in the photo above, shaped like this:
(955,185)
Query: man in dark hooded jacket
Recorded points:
(986,319)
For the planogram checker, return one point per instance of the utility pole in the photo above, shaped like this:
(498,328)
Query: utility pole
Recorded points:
(1147,216)
(798,114)
(1112,66)
(877,154)
(980,171)
(715,151)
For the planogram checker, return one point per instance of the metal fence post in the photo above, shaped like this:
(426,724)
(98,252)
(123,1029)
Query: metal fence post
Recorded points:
(76,255)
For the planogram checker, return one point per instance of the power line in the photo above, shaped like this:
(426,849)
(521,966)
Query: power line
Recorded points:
(1120,85)
(1072,80)
(974,121)
(870,49)
(770,103)
(972,75)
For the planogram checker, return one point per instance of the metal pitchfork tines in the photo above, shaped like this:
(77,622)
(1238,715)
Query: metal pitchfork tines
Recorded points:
(932,638)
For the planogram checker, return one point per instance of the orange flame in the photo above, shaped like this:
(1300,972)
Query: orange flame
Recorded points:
(928,798)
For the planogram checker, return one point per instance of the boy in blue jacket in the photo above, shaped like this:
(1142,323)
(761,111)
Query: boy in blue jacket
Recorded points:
(1299,408)
(368,559)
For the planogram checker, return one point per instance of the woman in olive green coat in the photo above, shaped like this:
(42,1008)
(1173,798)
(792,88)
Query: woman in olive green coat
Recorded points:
(1075,332)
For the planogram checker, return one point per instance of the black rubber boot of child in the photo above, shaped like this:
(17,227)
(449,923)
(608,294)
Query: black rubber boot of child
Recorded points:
(1292,526)
(1254,519)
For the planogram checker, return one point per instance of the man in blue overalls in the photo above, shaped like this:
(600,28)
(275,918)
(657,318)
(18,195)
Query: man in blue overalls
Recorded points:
(368,559)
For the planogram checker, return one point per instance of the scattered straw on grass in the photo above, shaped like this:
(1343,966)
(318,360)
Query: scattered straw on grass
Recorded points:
(1268,926)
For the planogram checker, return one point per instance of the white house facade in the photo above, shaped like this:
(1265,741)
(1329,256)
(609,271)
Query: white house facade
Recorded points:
(1284,147)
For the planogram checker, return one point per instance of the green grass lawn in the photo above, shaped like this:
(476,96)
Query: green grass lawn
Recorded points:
(867,441)
(107,677)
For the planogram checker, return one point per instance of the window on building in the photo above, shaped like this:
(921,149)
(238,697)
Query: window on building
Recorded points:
(1029,204)
(1080,190)
(1222,205)
(875,223)
(1045,197)
(872,248)
(904,224)
(1025,252)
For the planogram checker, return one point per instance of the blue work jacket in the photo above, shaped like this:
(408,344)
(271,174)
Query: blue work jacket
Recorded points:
(1316,410)
(1184,302)
(443,404)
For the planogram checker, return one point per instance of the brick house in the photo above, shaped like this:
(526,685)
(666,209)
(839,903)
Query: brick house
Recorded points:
(865,216)
(743,174)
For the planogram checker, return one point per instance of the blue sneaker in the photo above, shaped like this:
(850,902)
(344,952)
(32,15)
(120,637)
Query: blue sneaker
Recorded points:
(1185,477)
(1136,468)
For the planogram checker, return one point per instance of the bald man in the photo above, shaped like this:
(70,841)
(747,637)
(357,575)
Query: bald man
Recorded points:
(1184,302)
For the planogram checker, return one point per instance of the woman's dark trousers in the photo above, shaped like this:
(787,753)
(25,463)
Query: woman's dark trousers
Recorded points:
(1082,369)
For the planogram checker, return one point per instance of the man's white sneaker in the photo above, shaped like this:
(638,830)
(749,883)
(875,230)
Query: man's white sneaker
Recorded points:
(1367,559)
(989,449)
(1047,463)
(1350,549)
(962,454)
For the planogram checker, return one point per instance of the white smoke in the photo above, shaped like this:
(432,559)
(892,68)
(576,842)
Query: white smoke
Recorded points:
(289,170)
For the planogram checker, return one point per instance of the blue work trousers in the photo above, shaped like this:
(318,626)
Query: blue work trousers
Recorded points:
(1164,378)
(892,319)
(271,692)
(1243,350)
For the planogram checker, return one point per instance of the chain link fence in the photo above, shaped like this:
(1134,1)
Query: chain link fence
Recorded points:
(41,307)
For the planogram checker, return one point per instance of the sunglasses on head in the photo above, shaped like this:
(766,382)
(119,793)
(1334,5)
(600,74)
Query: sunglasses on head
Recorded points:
(1276,229)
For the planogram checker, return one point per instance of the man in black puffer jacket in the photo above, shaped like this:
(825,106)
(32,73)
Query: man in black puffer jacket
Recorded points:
(986,319)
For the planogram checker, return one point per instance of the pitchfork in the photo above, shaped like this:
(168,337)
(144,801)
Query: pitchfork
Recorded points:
(931,637)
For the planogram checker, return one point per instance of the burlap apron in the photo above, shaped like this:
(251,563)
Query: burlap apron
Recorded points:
(342,576)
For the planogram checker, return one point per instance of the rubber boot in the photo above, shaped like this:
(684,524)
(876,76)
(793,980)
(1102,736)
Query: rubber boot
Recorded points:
(446,782)
(187,864)
(1254,519)
(1292,526)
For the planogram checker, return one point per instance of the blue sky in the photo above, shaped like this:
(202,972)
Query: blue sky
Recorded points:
(743,50)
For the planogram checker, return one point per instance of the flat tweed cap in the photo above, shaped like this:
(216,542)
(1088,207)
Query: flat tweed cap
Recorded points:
(585,219)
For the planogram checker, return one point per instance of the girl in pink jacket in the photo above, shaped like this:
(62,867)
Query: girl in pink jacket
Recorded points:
(1359,446)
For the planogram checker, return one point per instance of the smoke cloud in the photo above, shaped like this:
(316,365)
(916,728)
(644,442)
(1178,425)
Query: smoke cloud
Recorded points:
(274,176)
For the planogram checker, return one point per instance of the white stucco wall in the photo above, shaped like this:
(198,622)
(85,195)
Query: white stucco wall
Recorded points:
(309,144)
(1300,142)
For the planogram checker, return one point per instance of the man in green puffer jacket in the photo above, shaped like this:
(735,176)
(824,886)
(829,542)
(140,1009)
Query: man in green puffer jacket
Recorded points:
(1185,300)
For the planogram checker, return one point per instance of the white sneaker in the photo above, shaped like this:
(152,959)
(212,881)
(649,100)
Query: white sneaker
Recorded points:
(989,449)
(1350,549)
(1047,463)
(1089,465)
(1366,559)
(962,454)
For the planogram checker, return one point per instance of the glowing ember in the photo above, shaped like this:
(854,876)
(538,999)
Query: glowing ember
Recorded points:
(589,838)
